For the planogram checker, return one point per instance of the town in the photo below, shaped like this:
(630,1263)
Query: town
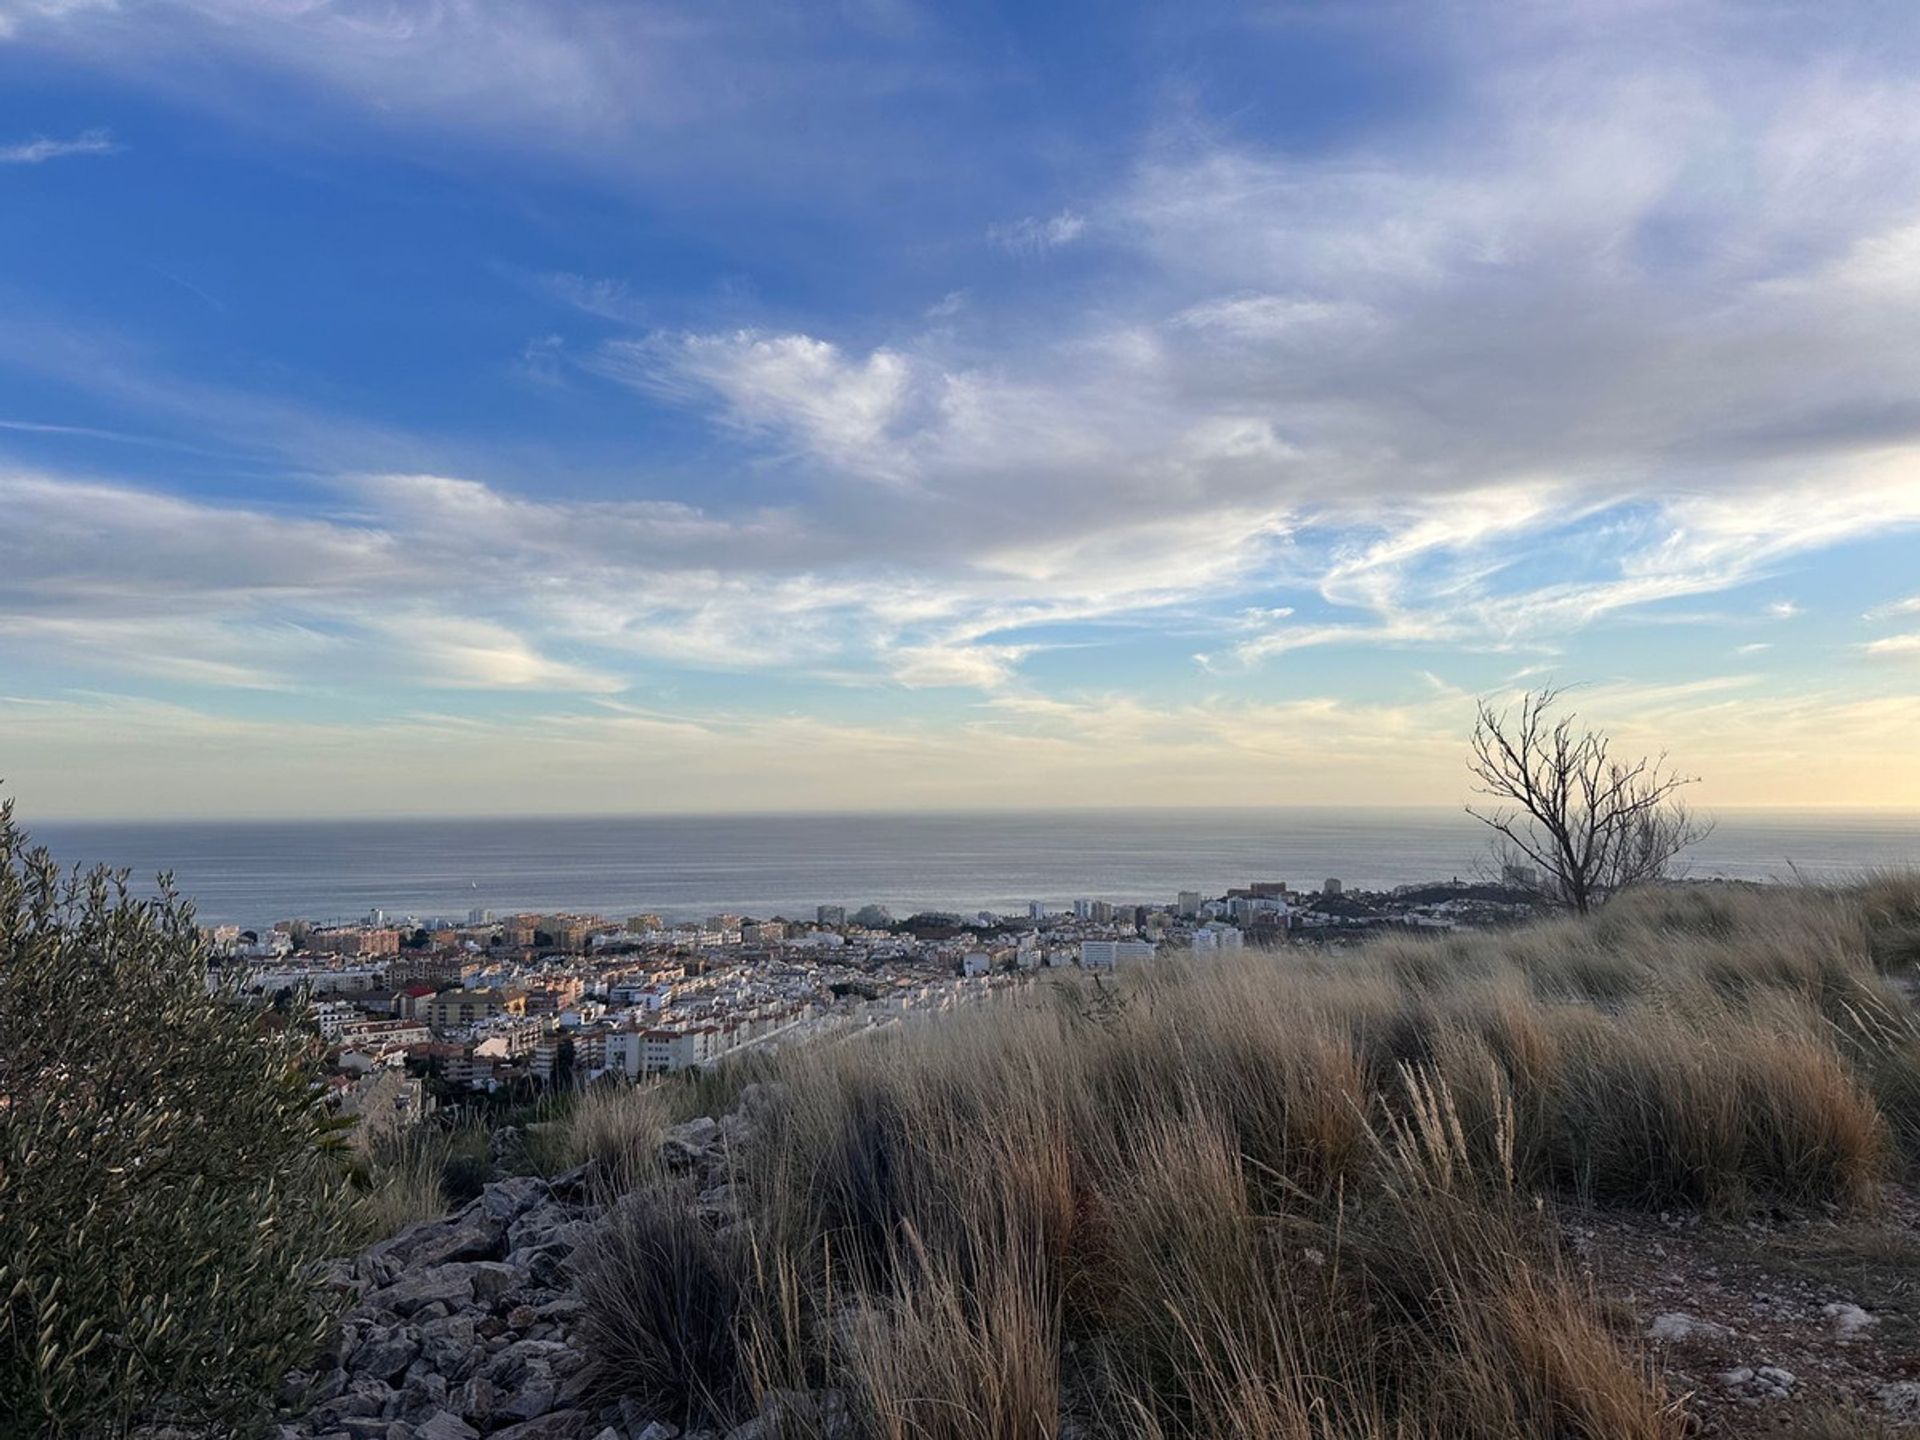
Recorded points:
(419,1013)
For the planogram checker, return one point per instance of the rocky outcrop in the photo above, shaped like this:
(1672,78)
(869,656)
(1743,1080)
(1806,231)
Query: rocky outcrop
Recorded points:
(463,1327)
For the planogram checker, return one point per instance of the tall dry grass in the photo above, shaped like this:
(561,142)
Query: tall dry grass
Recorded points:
(614,1129)
(1297,1195)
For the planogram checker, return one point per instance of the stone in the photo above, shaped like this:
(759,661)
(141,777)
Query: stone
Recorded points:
(468,1236)
(521,1317)
(1735,1378)
(477,1398)
(1773,1375)
(362,1398)
(536,1393)
(1901,1399)
(1848,1321)
(385,1353)
(422,1395)
(327,1386)
(417,1288)
(697,1133)
(659,1430)
(560,1425)
(1677,1326)
(555,1354)
(493,1278)
(448,1345)
(508,1199)
(445,1425)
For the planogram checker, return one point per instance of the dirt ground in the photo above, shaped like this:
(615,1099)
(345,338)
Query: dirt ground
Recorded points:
(1778,1326)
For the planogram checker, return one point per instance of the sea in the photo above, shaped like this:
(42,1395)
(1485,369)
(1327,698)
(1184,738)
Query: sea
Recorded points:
(252,873)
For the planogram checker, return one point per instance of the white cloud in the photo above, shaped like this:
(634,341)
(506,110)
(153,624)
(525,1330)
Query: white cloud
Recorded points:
(1031,235)
(981,667)
(1894,647)
(41,148)
(790,386)
(467,654)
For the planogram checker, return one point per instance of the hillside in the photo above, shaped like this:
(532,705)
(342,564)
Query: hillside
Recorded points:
(1644,1175)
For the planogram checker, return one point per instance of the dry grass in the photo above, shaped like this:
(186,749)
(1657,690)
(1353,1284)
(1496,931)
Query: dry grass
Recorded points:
(615,1130)
(417,1174)
(1302,1196)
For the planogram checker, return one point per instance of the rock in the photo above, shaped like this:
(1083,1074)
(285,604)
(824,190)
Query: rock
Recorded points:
(1901,1399)
(507,1200)
(1848,1321)
(1773,1375)
(659,1430)
(362,1397)
(385,1353)
(445,1425)
(560,1425)
(467,1236)
(493,1278)
(422,1395)
(478,1398)
(535,1393)
(1734,1379)
(448,1346)
(557,1355)
(1677,1326)
(328,1386)
(697,1133)
(757,1098)
(521,1317)
(448,1283)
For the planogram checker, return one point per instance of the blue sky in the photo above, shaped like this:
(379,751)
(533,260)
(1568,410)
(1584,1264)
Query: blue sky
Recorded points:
(428,406)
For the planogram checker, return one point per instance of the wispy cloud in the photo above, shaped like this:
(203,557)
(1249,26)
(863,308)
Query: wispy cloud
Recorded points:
(1894,647)
(1031,235)
(42,148)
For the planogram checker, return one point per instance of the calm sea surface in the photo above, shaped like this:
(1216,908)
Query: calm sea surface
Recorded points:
(258,872)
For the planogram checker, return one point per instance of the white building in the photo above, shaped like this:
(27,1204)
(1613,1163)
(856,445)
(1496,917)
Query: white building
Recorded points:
(1212,939)
(330,1015)
(976,962)
(1105,954)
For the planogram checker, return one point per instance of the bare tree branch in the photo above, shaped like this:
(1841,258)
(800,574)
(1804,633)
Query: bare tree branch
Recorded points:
(1592,825)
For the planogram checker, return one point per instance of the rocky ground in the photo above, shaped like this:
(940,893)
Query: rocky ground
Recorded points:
(464,1327)
(1781,1325)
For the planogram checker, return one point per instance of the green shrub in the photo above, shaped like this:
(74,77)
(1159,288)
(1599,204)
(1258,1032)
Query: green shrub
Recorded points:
(164,1186)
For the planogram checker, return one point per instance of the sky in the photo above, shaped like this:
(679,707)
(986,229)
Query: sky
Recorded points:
(536,406)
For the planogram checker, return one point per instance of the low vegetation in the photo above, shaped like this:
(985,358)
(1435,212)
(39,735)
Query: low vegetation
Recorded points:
(166,1181)
(1286,1195)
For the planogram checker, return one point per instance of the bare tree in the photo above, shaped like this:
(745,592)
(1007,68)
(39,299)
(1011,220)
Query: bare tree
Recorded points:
(1590,824)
